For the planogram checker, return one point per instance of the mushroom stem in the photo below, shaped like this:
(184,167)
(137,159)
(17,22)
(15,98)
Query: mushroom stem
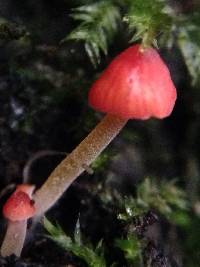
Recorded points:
(14,239)
(73,165)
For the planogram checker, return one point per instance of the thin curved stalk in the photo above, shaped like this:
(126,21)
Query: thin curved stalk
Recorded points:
(60,179)
(73,165)
(38,155)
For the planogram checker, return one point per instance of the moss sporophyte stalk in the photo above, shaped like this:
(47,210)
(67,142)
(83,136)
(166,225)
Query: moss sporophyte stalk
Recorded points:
(136,85)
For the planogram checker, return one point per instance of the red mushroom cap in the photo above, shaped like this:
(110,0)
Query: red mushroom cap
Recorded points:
(19,206)
(137,84)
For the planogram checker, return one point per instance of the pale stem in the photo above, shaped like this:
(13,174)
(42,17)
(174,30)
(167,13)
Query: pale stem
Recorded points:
(14,239)
(73,165)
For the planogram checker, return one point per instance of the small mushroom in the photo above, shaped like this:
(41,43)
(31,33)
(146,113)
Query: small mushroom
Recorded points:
(20,206)
(17,209)
(136,85)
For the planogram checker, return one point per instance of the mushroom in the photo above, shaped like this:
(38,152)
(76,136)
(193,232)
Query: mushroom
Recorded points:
(17,209)
(20,206)
(136,85)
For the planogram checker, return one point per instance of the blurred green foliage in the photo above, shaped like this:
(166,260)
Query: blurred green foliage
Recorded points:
(100,163)
(189,43)
(132,250)
(99,23)
(147,21)
(142,23)
(11,31)
(94,257)
(164,198)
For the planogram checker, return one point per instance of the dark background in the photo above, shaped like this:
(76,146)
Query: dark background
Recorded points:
(43,107)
